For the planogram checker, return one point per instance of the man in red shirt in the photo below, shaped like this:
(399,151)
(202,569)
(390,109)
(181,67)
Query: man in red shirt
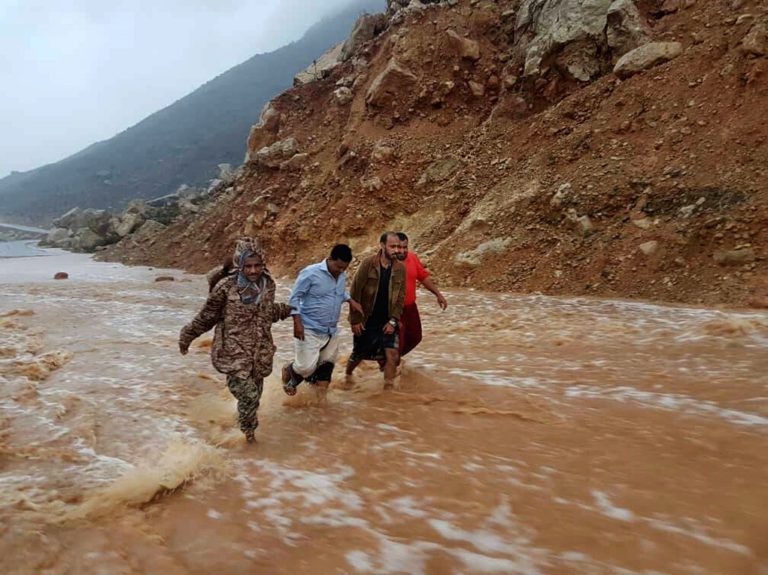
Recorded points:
(410,322)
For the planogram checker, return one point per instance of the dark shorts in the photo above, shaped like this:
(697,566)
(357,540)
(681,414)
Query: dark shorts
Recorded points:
(372,343)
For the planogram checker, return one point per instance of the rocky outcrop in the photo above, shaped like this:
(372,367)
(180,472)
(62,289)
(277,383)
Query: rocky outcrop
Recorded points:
(321,67)
(367,27)
(574,34)
(264,133)
(273,156)
(647,56)
(88,230)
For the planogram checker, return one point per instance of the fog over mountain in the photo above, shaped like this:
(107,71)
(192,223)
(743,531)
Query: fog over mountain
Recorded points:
(78,71)
(128,62)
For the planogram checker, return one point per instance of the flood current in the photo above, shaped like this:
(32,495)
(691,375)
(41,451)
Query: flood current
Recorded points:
(529,434)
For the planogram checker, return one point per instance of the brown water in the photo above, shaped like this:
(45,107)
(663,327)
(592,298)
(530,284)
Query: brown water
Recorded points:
(529,435)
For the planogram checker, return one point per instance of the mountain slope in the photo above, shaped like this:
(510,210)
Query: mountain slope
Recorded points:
(181,144)
(468,130)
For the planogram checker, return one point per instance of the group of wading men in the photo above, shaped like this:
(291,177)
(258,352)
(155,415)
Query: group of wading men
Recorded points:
(241,307)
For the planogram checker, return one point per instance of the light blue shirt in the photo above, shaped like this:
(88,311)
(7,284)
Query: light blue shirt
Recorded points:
(317,297)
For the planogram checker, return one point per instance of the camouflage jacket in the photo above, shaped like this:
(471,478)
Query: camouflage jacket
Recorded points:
(242,342)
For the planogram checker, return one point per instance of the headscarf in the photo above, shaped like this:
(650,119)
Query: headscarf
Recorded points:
(250,292)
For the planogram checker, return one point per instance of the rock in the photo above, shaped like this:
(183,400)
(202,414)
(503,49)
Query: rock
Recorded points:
(643,223)
(148,230)
(646,56)
(670,6)
(545,28)
(649,248)
(129,223)
(86,240)
(343,96)
(71,219)
(391,85)
(625,28)
(274,155)
(473,258)
(382,152)
(477,89)
(373,184)
(466,48)
(560,195)
(165,279)
(584,222)
(440,171)
(296,162)
(58,237)
(756,40)
(61,276)
(321,67)
(734,257)
(226,173)
(367,27)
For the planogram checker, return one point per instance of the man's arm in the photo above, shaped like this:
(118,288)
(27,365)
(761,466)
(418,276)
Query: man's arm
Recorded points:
(203,321)
(298,293)
(441,301)
(356,292)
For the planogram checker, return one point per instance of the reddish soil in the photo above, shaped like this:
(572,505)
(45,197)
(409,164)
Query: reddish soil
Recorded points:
(676,155)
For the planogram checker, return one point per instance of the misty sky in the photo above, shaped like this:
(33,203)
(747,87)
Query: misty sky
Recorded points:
(74,72)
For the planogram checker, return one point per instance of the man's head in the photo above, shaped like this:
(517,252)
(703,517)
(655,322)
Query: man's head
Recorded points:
(338,261)
(390,245)
(403,246)
(249,258)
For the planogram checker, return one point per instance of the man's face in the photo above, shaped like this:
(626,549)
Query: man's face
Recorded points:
(403,250)
(337,267)
(252,268)
(391,247)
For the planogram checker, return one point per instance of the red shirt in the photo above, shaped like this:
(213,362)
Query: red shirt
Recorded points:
(414,271)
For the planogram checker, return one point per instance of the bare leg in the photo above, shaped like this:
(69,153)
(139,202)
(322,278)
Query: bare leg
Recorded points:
(390,368)
(351,365)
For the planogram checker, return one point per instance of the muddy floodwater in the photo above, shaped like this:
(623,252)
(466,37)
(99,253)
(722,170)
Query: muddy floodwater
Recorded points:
(529,435)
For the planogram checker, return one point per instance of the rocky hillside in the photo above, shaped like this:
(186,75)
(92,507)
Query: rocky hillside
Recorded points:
(181,144)
(607,148)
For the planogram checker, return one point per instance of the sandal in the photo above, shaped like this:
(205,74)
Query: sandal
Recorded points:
(289,383)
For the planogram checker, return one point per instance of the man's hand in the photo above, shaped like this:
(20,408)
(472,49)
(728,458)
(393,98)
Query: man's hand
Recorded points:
(183,348)
(389,329)
(358,328)
(441,301)
(298,328)
(353,305)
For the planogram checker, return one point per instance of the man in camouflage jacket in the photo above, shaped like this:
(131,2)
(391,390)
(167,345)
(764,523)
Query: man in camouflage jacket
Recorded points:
(242,308)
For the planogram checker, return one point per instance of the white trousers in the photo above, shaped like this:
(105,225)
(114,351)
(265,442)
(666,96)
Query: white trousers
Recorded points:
(314,350)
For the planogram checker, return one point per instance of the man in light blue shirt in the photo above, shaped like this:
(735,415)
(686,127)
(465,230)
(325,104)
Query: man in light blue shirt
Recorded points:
(316,299)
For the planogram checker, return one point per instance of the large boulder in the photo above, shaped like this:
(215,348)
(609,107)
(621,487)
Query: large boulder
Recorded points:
(390,85)
(128,223)
(58,238)
(86,240)
(273,156)
(646,56)
(367,27)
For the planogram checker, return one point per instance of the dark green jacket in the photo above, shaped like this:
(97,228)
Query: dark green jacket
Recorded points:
(365,286)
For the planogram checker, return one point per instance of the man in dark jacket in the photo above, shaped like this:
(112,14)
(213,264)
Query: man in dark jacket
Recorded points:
(379,287)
